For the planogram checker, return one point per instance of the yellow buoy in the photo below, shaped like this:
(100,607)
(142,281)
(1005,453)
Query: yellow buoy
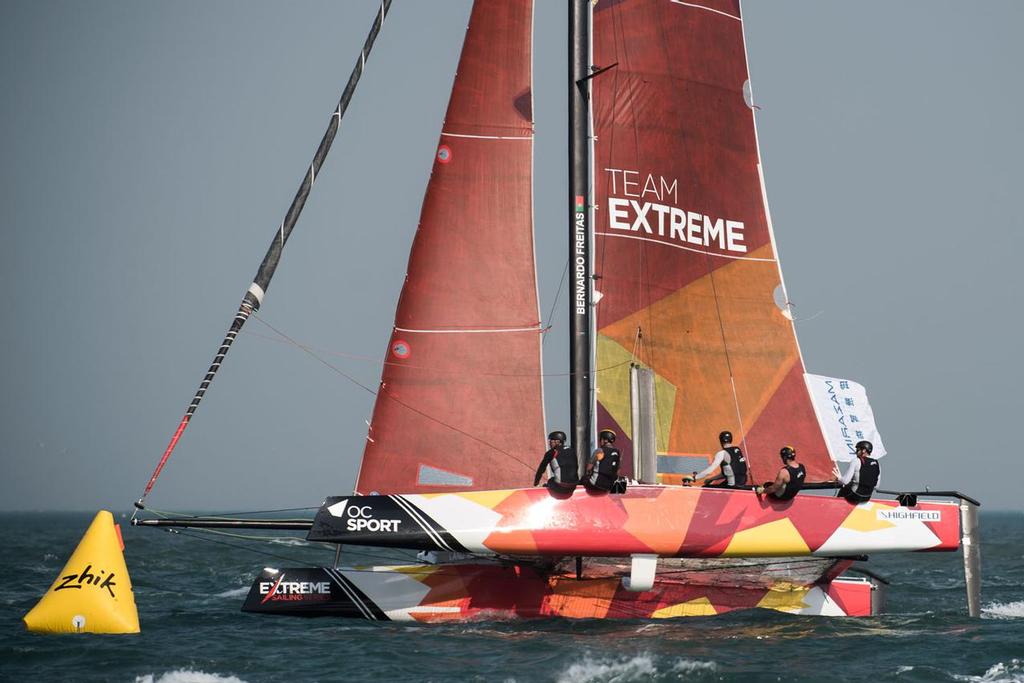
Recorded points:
(93,593)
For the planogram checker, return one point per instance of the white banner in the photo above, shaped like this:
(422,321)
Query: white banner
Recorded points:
(844,415)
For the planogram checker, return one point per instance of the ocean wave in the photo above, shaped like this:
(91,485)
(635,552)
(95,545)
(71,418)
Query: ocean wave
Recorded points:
(291,542)
(239,592)
(620,670)
(187,676)
(692,666)
(999,673)
(1003,610)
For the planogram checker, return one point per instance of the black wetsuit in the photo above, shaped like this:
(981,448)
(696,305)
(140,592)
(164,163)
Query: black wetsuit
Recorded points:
(865,481)
(605,470)
(795,483)
(738,464)
(564,468)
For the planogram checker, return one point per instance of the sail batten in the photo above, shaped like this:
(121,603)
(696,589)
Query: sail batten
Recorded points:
(460,402)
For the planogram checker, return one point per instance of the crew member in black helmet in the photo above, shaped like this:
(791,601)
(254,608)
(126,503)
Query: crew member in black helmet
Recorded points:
(564,470)
(860,480)
(603,468)
(732,462)
(789,480)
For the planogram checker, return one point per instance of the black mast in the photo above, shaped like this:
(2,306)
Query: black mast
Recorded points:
(579,226)
(254,295)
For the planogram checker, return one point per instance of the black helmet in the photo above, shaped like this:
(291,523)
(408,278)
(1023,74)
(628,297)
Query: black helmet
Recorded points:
(866,445)
(606,435)
(788,453)
(725,437)
(557,436)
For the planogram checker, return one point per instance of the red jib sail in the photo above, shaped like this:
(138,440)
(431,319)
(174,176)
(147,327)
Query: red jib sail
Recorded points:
(460,403)
(684,257)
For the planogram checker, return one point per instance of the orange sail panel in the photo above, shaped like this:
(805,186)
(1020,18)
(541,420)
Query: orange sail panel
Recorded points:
(460,402)
(684,260)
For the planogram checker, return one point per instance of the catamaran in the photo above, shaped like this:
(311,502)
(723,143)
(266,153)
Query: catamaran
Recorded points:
(680,327)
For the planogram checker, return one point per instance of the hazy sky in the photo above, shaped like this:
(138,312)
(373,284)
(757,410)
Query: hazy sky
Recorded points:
(149,151)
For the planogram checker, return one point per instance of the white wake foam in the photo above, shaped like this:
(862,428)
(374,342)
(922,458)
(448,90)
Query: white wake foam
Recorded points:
(692,666)
(999,673)
(620,670)
(291,541)
(1003,610)
(187,676)
(233,593)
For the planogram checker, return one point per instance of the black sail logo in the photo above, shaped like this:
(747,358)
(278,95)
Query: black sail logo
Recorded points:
(88,577)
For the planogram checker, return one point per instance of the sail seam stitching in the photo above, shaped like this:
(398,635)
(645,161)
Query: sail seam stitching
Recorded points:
(534,328)
(709,9)
(487,137)
(679,246)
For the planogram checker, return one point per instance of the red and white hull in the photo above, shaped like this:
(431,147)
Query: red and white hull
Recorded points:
(664,521)
(475,591)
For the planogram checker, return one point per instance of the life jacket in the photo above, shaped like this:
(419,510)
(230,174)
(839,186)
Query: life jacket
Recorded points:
(737,464)
(565,467)
(866,478)
(606,469)
(795,483)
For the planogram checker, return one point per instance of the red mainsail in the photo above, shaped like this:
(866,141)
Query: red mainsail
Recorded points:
(460,403)
(684,257)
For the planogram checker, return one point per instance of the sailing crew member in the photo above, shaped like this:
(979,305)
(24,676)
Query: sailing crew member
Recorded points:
(860,480)
(789,480)
(732,462)
(560,461)
(603,468)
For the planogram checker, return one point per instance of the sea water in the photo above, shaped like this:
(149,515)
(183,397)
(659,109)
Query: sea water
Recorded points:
(189,588)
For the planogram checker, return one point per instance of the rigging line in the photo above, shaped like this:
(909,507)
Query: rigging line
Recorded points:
(460,431)
(228,515)
(264,512)
(312,349)
(169,513)
(728,356)
(558,295)
(234,545)
(315,545)
(389,396)
(253,297)
(298,560)
(314,355)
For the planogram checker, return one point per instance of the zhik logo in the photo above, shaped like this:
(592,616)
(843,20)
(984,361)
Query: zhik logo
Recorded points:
(87,578)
